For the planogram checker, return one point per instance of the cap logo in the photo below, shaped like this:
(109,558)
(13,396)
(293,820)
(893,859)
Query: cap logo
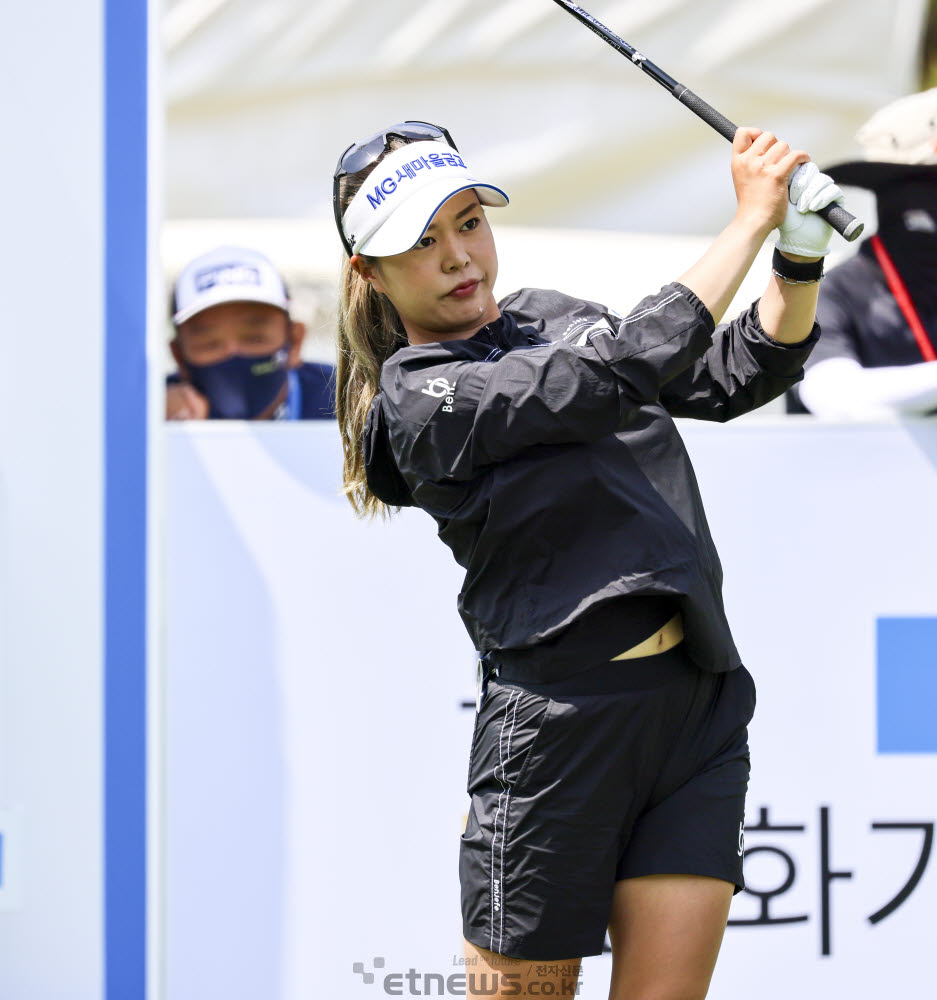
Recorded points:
(400,196)
(227,274)
(409,171)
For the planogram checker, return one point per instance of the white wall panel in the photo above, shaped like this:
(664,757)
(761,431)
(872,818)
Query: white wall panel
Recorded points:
(51,468)
(318,745)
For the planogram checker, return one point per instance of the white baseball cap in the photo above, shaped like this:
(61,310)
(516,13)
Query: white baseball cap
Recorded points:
(904,131)
(227,274)
(397,202)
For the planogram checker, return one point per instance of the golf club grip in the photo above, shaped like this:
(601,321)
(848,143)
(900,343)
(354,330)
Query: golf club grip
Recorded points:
(845,223)
(706,111)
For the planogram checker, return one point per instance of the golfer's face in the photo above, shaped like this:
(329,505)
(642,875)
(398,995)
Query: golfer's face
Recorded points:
(443,287)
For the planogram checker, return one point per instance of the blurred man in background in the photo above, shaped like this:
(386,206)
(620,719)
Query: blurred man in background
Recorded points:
(878,311)
(237,347)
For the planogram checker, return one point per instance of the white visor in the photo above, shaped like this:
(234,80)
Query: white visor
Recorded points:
(405,190)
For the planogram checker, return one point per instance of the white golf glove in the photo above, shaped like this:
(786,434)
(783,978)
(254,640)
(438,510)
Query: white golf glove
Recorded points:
(803,231)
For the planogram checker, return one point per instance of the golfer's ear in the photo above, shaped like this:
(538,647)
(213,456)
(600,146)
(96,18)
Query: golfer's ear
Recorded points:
(369,270)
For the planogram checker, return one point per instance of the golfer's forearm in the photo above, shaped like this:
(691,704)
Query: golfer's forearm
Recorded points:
(787,311)
(717,275)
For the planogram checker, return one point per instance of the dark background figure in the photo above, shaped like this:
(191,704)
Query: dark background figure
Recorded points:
(878,310)
(237,348)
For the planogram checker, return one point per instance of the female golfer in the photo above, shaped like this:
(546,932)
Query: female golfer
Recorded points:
(609,762)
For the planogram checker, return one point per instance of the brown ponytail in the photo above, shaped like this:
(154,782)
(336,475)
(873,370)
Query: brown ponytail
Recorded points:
(369,332)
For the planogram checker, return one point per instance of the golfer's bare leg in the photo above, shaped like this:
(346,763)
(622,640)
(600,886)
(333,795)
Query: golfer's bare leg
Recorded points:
(666,931)
(486,970)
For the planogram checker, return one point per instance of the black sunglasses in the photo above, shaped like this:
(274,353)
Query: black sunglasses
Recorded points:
(361,155)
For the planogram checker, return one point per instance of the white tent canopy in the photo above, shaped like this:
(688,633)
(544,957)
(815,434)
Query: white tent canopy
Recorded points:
(262,97)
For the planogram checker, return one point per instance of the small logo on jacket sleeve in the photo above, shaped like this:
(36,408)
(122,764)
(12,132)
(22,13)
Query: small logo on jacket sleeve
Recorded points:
(440,388)
(579,331)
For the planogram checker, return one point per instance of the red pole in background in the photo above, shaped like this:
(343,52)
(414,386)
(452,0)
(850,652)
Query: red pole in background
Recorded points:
(903,298)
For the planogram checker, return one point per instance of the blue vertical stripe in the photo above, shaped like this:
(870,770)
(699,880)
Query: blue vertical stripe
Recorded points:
(906,656)
(125,488)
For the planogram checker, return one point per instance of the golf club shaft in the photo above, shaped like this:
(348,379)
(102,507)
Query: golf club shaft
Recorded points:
(846,224)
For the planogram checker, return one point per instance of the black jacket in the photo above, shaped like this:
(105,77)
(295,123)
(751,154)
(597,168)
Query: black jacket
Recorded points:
(545,449)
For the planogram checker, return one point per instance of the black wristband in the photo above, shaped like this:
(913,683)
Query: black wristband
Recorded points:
(795,272)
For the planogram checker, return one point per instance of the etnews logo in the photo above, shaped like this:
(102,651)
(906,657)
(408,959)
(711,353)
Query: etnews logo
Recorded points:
(537,981)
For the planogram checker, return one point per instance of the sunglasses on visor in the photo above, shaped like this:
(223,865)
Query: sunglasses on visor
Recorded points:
(361,155)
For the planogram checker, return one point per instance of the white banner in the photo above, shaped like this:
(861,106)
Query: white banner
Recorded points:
(319,679)
(261,102)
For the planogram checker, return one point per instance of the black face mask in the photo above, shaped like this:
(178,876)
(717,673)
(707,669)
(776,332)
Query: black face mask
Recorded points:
(907,225)
(241,388)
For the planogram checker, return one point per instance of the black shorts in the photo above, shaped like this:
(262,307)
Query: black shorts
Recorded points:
(632,768)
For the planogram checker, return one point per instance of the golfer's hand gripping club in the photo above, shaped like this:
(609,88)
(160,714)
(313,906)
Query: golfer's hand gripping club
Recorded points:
(803,230)
(846,224)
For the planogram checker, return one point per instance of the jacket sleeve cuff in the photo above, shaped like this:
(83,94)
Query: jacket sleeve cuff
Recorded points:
(704,314)
(773,357)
